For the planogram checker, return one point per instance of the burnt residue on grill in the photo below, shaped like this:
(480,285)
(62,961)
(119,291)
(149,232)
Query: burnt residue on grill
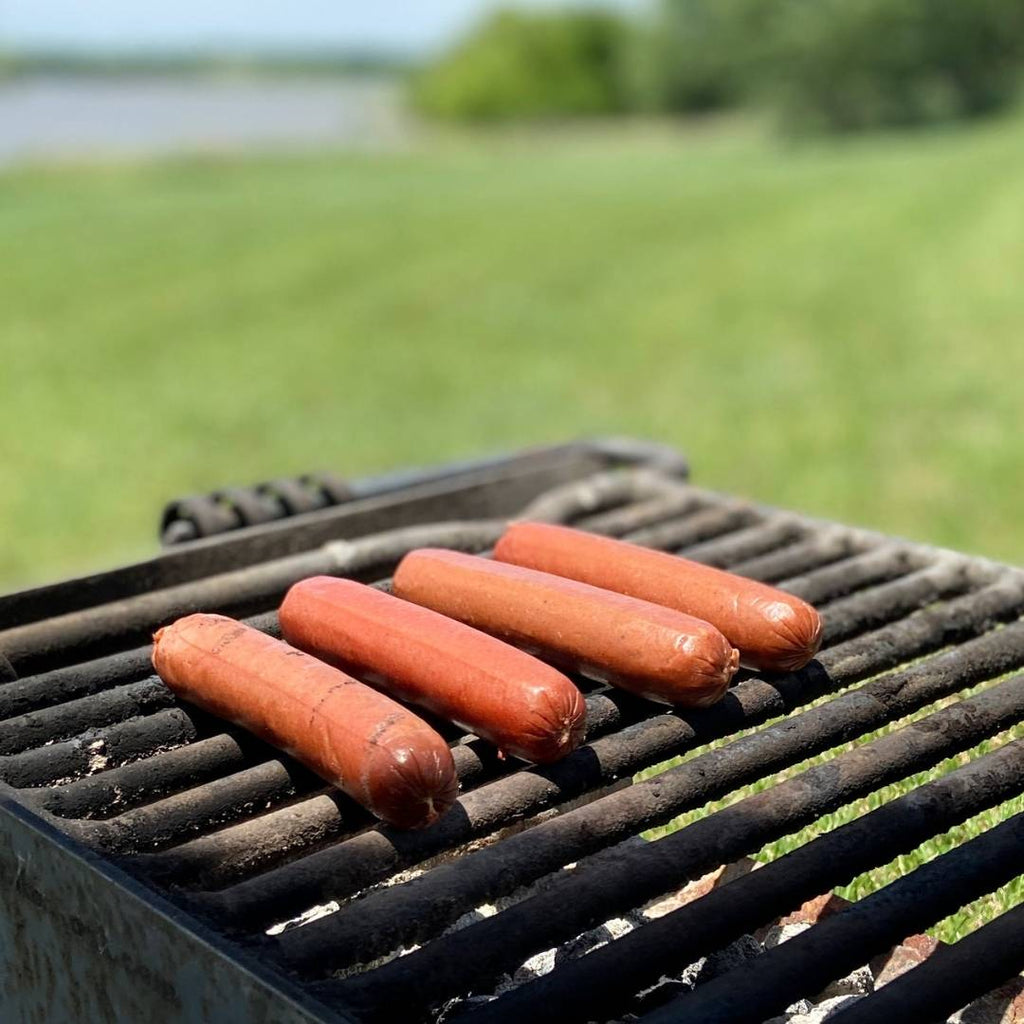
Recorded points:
(299,881)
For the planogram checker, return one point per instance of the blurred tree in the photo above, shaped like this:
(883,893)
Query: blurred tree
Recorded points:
(841,64)
(527,65)
(853,64)
(701,54)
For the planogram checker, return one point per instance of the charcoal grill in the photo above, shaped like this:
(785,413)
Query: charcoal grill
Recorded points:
(160,864)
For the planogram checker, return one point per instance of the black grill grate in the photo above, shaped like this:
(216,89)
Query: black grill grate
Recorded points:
(298,876)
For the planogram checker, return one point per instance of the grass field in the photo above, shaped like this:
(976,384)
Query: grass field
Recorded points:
(836,328)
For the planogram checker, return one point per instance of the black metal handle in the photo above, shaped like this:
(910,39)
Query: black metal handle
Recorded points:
(231,508)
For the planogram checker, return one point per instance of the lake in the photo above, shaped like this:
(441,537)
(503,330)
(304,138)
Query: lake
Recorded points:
(56,118)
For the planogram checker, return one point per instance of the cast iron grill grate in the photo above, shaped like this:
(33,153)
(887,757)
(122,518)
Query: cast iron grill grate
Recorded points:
(299,884)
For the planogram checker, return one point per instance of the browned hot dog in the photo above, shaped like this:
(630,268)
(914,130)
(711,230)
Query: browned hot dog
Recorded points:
(772,629)
(656,652)
(375,750)
(498,692)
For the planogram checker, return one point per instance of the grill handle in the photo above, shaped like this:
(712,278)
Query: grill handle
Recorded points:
(203,515)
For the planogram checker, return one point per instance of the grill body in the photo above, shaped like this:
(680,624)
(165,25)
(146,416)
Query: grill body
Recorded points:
(82,941)
(156,863)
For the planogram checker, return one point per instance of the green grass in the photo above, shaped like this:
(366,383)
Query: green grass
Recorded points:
(836,328)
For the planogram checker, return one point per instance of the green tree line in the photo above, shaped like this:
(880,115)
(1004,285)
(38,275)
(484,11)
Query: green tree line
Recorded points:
(840,65)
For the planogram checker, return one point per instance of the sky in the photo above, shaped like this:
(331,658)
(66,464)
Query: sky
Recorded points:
(395,25)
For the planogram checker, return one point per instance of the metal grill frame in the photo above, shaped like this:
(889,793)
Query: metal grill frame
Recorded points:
(103,903)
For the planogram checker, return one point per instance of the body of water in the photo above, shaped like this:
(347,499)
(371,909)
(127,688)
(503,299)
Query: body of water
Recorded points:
(49,118)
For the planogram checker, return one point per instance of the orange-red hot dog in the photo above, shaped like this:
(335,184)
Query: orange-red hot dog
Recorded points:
(655,652)
(772,629)
(375,750)
(498,692)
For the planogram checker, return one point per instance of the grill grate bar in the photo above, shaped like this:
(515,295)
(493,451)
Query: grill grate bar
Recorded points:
(605,981)
(97,749)
(751,542)
(243,849)
(113,791)
(401,914)
(619,879)
(839,944)
(642,514)
(38,728)
(892,600)
(213,803)
(951,622)
(878,565)
(599,492)
(795,558)
(34,692)
(950,978)
(680,534)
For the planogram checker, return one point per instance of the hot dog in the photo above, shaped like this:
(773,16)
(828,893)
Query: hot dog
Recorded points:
(773,630)
(656,652)
(498,692)
(375,750)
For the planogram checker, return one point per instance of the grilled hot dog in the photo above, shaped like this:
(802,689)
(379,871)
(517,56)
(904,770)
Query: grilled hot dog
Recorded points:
(772,629)
(382,755)
(655,652)
(498,692)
